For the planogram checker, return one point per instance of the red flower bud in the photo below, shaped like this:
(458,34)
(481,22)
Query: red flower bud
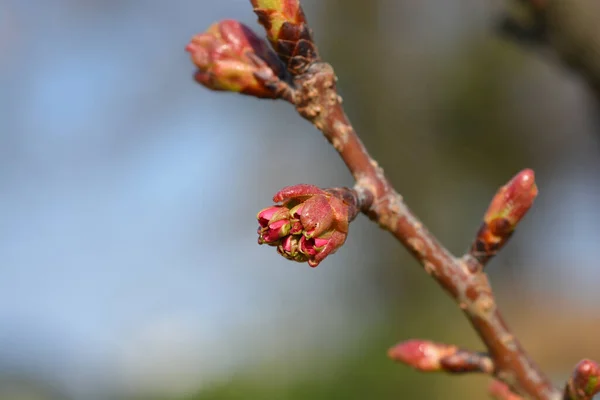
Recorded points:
(422,355)
(507,209)
(429,356)
(584,382)
(230,57)
(310,224)
(513,200)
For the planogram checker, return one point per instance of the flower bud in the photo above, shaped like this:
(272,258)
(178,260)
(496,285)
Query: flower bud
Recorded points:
(584,382)
(288,32)
(230,57)
(507,209)
(427,356)
(422,355)
(309,224)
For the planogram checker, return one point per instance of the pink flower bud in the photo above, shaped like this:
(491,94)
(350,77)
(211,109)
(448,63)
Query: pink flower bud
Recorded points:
(422,355)
(427,356)
(584,382)
(512,202)
(272,214)
(290,248)
(308,246)
(309,224)
(276,231)
(230,57)
(274,224)
(506,210)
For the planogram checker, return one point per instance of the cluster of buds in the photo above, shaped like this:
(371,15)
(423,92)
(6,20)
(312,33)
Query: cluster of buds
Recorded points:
(584,382)
(427,356)
(288,32)
(231,57)
(507,209)
(309,224)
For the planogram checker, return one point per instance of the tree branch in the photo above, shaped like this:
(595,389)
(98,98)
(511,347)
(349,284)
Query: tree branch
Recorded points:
(317,100)
(310,223)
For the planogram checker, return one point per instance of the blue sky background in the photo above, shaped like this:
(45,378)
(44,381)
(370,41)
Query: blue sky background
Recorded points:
(128,196)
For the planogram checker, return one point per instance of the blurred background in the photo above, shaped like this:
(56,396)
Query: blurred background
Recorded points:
(128,194)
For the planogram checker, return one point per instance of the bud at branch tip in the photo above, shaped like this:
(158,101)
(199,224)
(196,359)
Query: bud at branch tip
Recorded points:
(584,382)
(288,32)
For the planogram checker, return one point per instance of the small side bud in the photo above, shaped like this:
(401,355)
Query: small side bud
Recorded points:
(500,391)
(507,209)
(288,32)
(427,356)
(584,382)
(230,57)
(309,224)
(422,355)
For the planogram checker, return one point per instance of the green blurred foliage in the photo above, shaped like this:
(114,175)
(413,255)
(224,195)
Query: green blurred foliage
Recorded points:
(364,372)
